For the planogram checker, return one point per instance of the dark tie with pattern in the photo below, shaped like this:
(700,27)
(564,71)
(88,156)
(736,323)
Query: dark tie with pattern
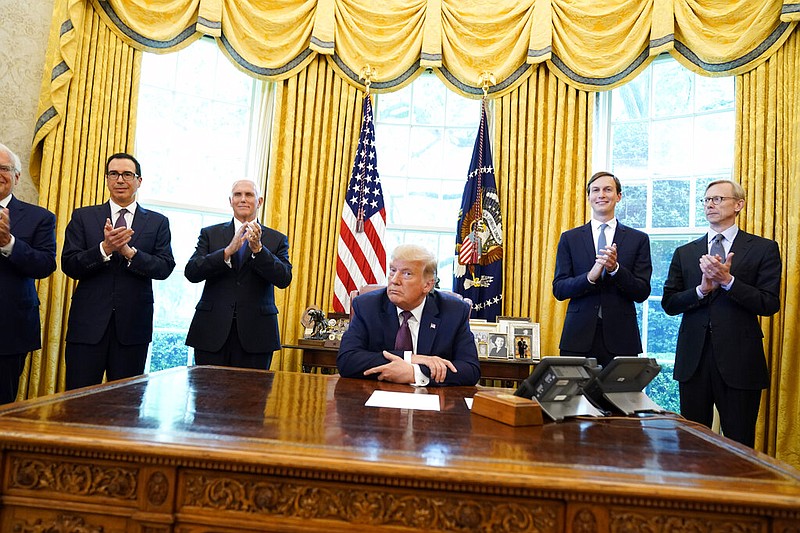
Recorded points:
(121,222)
(403,340)
(717,248)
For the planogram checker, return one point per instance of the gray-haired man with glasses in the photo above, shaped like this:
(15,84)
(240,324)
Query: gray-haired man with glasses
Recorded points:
(27,253)
(722,283)
(114,250)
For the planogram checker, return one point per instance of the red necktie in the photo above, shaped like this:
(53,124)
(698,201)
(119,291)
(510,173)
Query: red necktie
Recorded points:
(403,340)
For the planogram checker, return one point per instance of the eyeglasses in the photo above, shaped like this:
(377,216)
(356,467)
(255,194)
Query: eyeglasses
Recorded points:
(7,169)
(113,175)
(716,200)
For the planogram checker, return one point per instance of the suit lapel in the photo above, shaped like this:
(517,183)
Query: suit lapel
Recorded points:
(18,212)
(429,326)
(140,217)
(588,241)
(740,247)
(390,322)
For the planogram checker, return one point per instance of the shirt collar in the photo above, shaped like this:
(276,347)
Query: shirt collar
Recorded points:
(5,201)
(729,233)
(417,311)
(115,208)
(596,224)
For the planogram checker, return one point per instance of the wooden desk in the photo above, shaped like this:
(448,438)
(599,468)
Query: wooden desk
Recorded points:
(508,373)
(212,449)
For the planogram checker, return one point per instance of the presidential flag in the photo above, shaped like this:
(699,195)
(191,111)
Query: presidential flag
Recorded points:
(361,254)
(478,272)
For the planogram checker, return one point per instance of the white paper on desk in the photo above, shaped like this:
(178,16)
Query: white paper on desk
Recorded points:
(469,403)
(404,400)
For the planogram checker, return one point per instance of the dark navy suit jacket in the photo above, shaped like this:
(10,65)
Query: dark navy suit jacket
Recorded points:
(246,292)
(617,294)
(732,316)
(114,286)
(33,257)
(443,332)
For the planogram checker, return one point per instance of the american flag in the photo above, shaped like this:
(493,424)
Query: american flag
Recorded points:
(361,254)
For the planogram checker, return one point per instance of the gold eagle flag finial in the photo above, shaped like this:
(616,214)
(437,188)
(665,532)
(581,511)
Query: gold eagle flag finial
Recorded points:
(487,79)
(367,74)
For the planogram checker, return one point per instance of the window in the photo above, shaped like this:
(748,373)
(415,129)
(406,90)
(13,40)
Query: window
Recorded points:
(665,135)
(193,140)
(424,135)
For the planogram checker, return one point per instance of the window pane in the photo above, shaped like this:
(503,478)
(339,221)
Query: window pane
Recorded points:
(672,89)
(629,148)
(671,147)
(632,100)
(714,94)
(632,209)
(393,108)
(661,250)
(427,107)
(713,148)
(670,203)
(426,152)
(391,144)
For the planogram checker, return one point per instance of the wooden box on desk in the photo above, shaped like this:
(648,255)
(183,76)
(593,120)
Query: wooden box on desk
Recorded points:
(506,408)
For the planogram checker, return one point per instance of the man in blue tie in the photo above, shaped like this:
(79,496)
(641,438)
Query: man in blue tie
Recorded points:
(114,250)
(27,253)
(242,261)
(408,332)
(602,268)
(722,283)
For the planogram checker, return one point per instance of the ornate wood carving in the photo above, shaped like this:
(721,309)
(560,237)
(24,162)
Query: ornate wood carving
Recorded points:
(584,522)
(157,489)
(61,524)
(374,507)
(623,522)
(74,478)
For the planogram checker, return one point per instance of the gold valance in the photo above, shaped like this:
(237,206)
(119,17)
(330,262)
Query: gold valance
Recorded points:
(589,44)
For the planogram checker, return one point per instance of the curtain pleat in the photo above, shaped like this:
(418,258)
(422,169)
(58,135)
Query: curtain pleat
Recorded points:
(97,119)
(542,139)
(315,135)
(768,165)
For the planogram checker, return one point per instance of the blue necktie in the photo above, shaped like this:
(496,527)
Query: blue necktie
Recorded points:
(242,252)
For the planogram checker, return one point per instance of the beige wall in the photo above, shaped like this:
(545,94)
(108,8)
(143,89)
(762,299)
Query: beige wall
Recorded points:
(24,28)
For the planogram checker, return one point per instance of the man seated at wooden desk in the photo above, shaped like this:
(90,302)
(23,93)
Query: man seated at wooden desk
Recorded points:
(393,329)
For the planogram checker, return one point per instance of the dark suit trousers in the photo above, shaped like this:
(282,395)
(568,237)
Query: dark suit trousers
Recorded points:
(738,408)
(86,363)
(598,349)
(11,367)
(232,354)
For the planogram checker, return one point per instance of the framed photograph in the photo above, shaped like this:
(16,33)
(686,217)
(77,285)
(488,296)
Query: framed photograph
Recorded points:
(506,324)
(498,346)
(481,332)
(525,341)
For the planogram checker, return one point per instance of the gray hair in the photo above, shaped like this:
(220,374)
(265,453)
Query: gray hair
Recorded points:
(738,190)
(14,157)
(415,252)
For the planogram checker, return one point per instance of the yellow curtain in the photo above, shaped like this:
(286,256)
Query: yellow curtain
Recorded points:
(768,165)
(315,135)
(542,142)
(90,115)
(594,44)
